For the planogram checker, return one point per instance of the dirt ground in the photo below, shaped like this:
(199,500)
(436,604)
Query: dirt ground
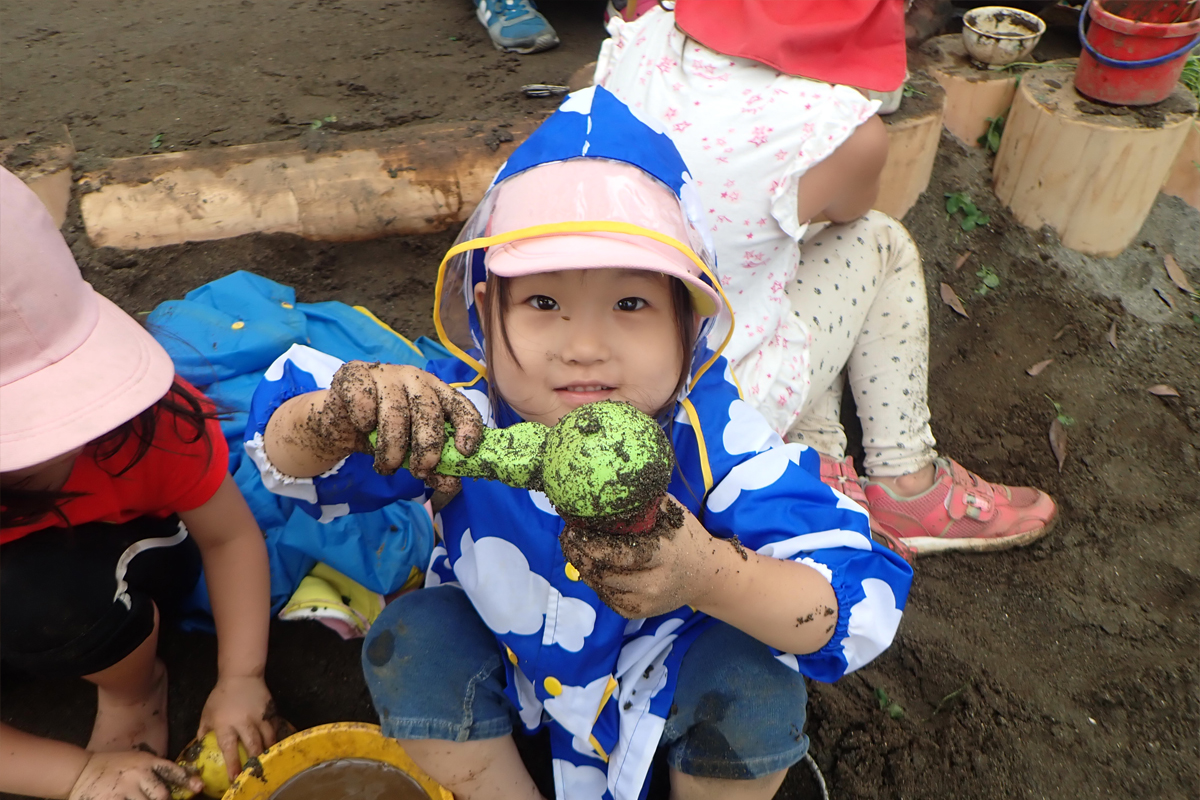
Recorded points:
(1068,669)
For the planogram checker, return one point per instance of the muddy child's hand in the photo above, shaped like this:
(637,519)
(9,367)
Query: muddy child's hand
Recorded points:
(646,574)
(131,775)
(409,408)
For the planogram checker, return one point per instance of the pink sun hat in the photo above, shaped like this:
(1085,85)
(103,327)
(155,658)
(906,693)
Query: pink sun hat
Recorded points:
(73,366)
(591,189)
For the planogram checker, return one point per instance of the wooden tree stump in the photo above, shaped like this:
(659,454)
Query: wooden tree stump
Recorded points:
(45,167)
(913,135)
(1091,172)
(416,179)
(1184,178)
(972,94)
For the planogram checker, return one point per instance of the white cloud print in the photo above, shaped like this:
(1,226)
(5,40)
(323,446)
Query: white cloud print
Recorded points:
(511,598)
(873,623)
(579,102)
(575,707)
(481,402)
(542,502)
(747,430)
(578,783)
(531,707)
(757,473)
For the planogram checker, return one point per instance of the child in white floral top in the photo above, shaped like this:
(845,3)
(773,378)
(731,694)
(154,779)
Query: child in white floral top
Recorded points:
(773,154)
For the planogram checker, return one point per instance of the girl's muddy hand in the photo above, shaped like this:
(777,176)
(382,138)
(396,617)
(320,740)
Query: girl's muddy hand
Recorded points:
(643,575)
(408,408)
(131,775)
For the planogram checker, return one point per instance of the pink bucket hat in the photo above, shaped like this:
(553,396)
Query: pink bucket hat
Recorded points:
(592,189)
(73,366)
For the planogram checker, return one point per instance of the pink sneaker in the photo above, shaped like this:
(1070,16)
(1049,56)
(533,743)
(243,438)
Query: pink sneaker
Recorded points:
(962,511)
(840,475)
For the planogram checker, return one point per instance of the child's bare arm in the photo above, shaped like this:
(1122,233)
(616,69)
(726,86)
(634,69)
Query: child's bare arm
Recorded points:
(31,765)
(239,587)
(784,604)
(845,185)
(311,433)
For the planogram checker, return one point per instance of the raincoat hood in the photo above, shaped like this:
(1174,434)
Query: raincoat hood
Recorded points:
(594,186)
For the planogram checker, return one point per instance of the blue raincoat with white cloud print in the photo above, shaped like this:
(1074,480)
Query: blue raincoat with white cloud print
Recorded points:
(602,683)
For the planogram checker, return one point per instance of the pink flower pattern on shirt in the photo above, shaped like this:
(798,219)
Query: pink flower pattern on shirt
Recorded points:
(747,134)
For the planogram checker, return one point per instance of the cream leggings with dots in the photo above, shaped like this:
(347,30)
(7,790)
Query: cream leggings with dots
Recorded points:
(861,291)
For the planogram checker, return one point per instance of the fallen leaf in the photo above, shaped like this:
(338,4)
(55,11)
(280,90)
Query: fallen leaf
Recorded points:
(1037,368)
(1058,442)
(1162,390)
(1166,298)
(1176,274)
(1060,333)
(1112,334)
(951,299)
(962,260)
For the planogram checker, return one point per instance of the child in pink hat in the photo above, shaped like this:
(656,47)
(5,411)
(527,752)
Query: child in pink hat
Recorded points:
(115,492)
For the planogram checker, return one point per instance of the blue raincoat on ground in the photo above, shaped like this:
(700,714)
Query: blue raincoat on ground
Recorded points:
(602,683)
(222,337)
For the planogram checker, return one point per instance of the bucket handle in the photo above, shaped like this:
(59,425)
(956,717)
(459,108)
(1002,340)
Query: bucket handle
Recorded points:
(1112,62)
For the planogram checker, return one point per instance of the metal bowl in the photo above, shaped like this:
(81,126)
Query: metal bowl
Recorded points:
(997,35)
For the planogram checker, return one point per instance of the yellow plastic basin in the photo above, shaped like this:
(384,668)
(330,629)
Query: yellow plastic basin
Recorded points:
(322,745)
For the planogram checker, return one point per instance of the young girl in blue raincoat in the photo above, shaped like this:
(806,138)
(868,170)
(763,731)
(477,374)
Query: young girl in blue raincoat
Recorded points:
(584,275)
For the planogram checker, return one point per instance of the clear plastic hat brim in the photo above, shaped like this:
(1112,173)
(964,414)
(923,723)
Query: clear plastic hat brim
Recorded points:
(455,268)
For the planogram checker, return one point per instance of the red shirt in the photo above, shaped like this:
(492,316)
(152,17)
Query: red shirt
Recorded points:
(174,475)
(852,42)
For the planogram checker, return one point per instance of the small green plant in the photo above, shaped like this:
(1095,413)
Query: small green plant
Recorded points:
(909,91)
(894,710)
(1196,318)
(1191,74)
(156,142)
(948,698)
(318,123)
(972,217)
(1019,65)
(991,137)
(988,280)
(1063,419)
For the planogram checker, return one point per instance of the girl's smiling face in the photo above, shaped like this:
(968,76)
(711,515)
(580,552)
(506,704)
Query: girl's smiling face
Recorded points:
(578,336)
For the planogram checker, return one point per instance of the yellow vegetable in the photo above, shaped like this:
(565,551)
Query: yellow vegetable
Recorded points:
(203,757)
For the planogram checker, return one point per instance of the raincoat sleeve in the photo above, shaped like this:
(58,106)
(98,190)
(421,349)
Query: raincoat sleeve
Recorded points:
(770,496)
(350,486)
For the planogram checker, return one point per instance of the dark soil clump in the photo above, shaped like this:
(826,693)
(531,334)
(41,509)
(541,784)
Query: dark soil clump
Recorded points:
(1153,116)
(923,96)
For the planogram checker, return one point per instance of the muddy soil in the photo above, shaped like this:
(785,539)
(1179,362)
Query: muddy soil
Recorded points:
(136,76)
(1067,669)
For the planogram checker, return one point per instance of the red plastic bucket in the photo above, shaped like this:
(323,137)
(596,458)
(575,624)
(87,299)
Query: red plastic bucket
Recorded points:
(1134,51)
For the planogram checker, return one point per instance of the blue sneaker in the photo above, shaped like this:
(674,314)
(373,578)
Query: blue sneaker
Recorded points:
(516,26)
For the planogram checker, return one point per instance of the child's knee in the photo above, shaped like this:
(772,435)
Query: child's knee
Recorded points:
(434,670)
(739,712)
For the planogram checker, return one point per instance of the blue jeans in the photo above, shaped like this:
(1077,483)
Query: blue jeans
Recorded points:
(435,671)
